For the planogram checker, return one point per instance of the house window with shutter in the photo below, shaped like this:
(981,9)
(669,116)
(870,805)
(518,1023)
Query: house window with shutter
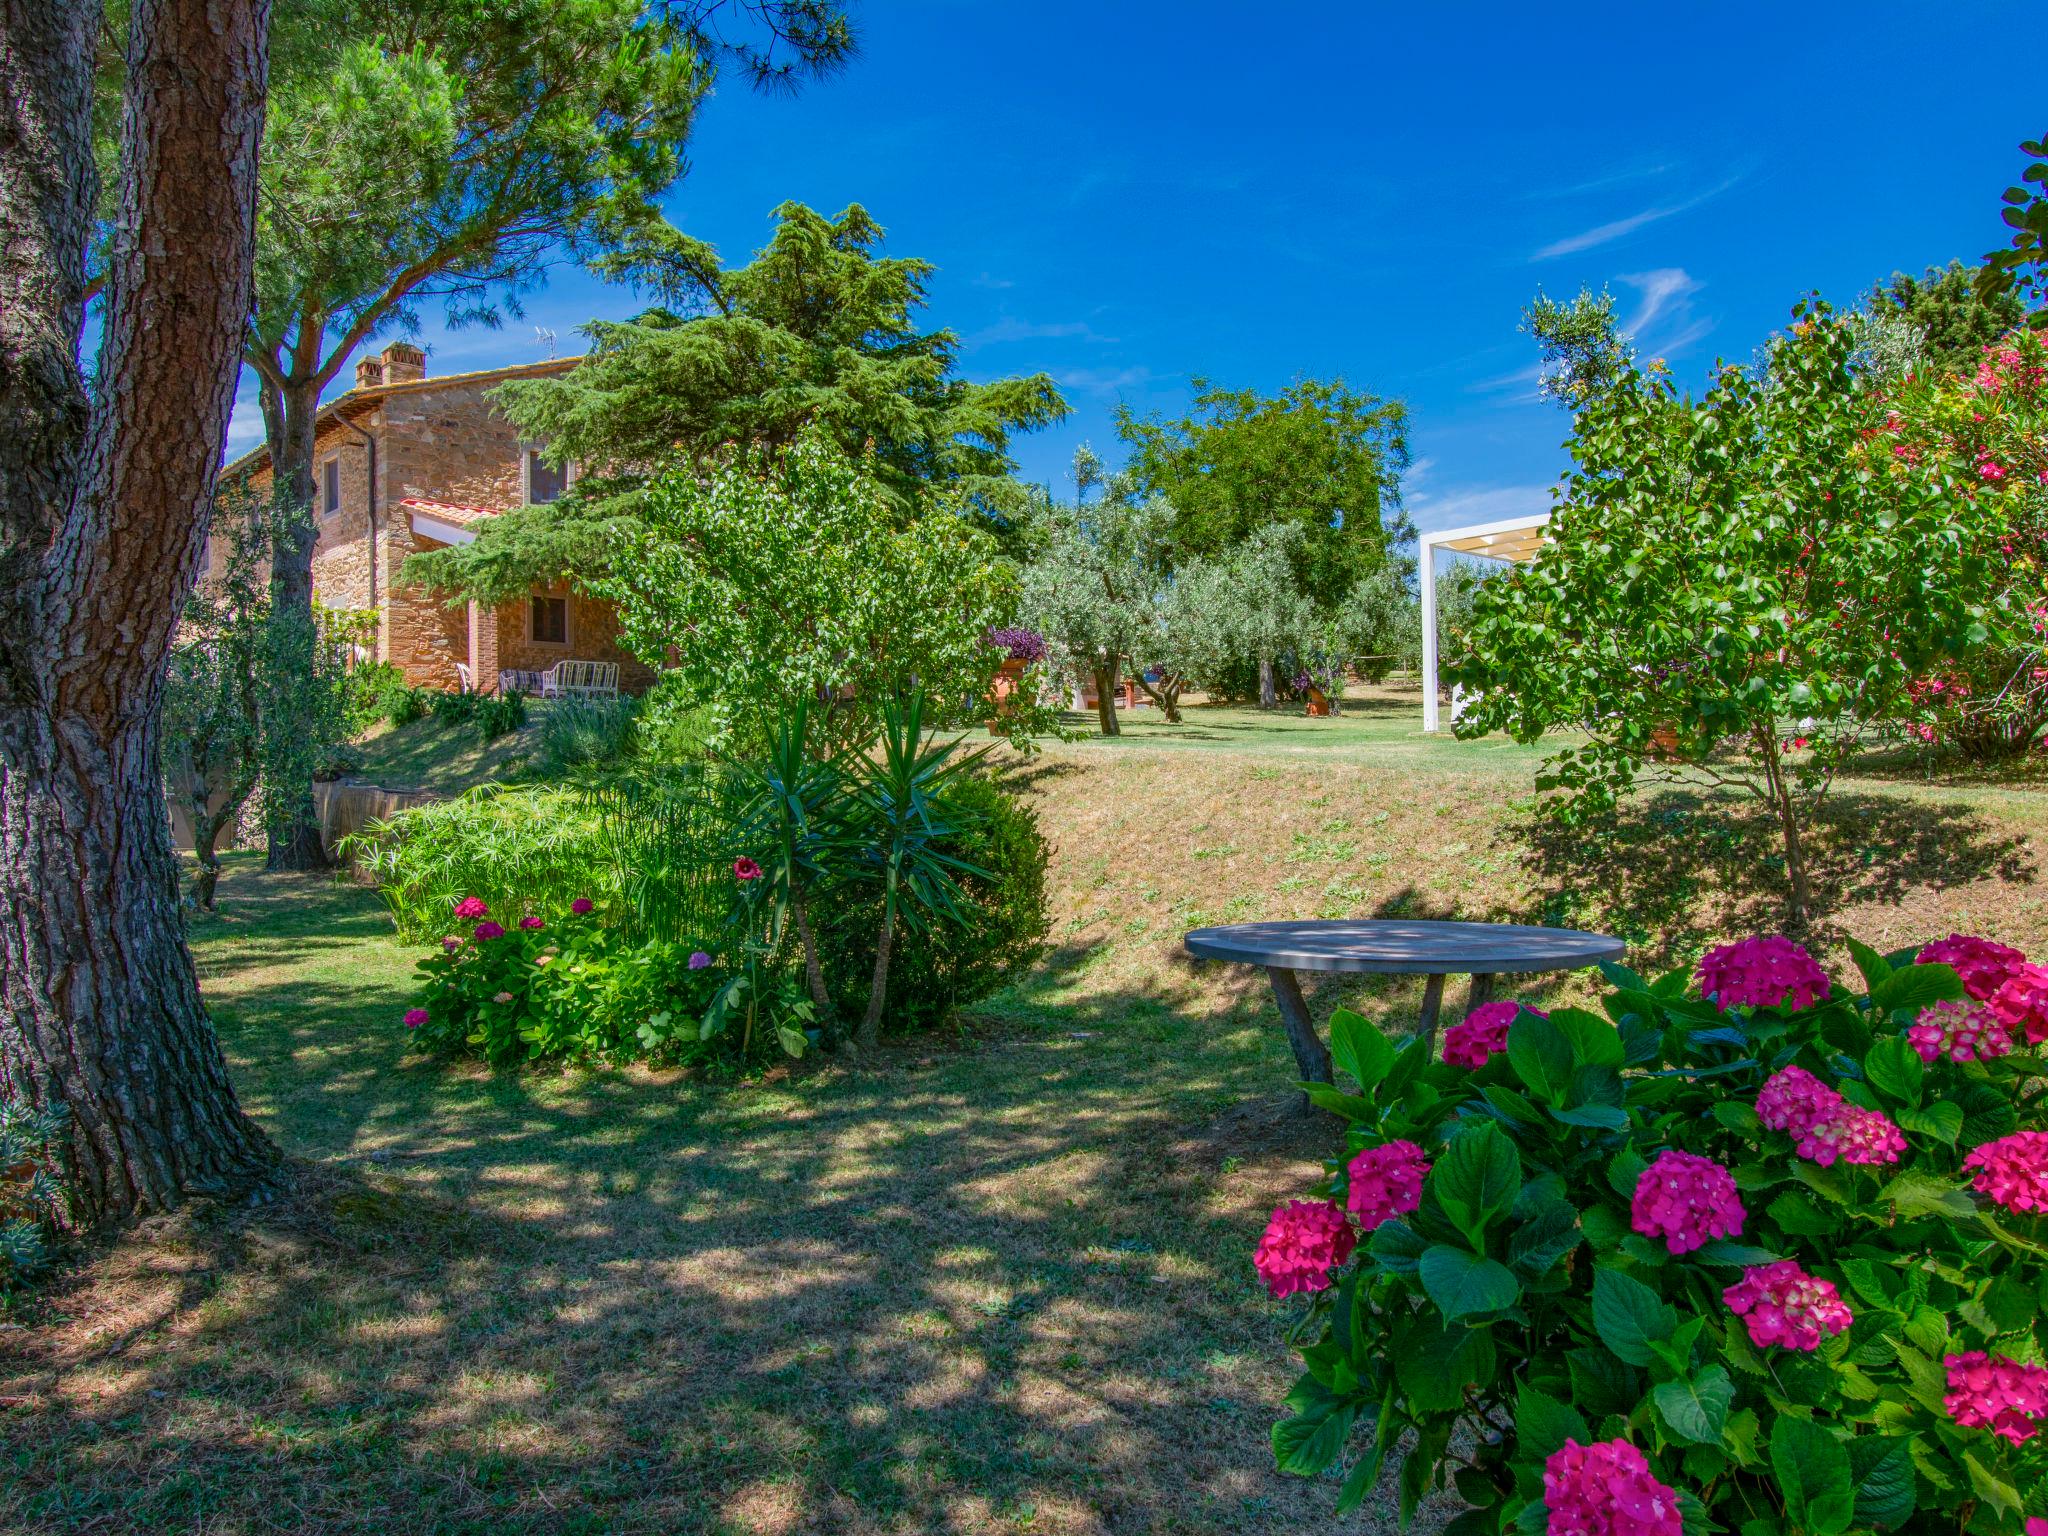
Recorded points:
(550,620)
(330,487)
(544,482)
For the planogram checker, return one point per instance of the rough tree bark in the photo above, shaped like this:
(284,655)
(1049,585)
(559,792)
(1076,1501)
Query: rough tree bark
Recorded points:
(1269,691)
(1105,700)
(104,502)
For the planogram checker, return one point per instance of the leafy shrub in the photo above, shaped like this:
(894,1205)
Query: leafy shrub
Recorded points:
(941,967)
(31,1188)
(672,725)
(586,733)
(492,714)
(375,691)
(410,704)
(1764,1259)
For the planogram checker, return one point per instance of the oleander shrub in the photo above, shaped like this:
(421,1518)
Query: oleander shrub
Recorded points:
(32,1198)
(1760,1250)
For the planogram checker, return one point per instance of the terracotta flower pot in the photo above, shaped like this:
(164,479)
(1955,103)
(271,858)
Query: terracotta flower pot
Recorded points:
(1003,690)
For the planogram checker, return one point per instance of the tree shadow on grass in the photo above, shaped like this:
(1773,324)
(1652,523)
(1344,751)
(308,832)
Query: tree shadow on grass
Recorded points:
(1675,869)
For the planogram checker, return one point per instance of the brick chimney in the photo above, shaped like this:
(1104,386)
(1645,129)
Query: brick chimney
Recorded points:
(369,372)
(404,363)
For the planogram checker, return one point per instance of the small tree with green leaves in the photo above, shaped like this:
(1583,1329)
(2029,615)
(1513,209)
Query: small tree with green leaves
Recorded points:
(1583,348)
(1738,590)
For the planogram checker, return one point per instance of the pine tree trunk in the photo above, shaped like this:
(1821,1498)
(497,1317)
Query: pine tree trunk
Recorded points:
(103,514)
(1269,694)
(1105,701)
(295,841)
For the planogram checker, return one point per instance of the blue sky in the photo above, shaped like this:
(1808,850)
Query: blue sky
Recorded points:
(1127,195)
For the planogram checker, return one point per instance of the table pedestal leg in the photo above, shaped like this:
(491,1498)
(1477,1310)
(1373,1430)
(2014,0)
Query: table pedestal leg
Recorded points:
(1482,992)
(1310,1054)
(1432,1005)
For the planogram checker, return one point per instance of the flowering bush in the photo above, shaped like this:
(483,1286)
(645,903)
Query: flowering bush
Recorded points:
(1758,1252)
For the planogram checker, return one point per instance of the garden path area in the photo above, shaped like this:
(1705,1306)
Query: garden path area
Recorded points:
(1002,1283)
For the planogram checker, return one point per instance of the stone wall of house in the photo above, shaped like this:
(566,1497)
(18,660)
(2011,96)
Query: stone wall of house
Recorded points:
(449,444)
(593,636)
(421,633)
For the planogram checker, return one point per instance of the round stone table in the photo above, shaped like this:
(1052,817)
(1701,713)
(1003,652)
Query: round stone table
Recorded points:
(1397,947)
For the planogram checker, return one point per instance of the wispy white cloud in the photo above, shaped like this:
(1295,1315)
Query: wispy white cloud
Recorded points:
(1616,229)
(1620,177)
(1521,384)
(245,422)
(990,280)
(1104,381)
(1010,328)
(1663,322)
(1461,506)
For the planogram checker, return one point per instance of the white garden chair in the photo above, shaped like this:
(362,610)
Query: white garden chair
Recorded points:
(581,680)
(519,680)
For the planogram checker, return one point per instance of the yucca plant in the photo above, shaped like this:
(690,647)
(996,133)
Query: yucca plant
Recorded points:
(901,818)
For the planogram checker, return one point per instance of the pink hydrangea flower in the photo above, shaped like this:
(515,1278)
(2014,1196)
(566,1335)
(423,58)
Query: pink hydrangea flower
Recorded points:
(1304,1241)
(1484,1032)
(2036,1526)
(745,869)
(1853,1135)
(1686,1200)
(1385,1182)
(1764,972)
(451,943)
(1605,1489)
(1960,1032)
(2013,1171)
(1981,964)
(531,922)
(486,931)
(582,905)
(698,959)
(2021,1001)
(1795,1101)
(470,908)
(1995,1393)
(502,997)
(1782,1304)
(415,1017)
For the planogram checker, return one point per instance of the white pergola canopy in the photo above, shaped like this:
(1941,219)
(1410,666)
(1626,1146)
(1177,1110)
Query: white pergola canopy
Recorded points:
(1514,539)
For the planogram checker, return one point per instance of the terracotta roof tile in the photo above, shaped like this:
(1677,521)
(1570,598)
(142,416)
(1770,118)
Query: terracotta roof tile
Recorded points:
(448,512)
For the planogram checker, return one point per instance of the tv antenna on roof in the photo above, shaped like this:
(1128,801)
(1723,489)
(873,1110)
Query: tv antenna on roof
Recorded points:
(547,339)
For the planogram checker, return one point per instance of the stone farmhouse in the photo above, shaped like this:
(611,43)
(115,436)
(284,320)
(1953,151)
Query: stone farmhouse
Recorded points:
(404,462)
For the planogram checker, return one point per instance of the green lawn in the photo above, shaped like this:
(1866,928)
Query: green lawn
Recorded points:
(1001,1283)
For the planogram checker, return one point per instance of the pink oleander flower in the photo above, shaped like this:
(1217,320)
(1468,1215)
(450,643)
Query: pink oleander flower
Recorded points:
(471,908)
(1304,1241)
(745,869)
(698,959)
(1794,1100)
(1686,1200)
(2036,1526)
(2021,1002)
(1853,1135)
(1764,972)
(1484,1031)
(486,931)
(1959,1032)
(415,1017)
(1385,1182)
(582,906)
(531,923)
(1605,1489)
(1782,1304)
(2013,1171)
(451,943)
(1995,1393)
(1982,965)
(502,998)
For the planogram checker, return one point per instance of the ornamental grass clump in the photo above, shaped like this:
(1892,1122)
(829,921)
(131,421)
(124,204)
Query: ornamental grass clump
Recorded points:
(1761,1250)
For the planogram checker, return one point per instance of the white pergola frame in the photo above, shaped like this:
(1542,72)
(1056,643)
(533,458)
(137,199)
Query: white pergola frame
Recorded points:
(1515,539)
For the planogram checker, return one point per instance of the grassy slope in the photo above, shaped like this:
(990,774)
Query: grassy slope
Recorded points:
(998,1286)
(443,758)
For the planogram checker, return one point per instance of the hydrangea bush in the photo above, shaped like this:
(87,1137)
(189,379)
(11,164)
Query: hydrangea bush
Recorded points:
(1761,1250)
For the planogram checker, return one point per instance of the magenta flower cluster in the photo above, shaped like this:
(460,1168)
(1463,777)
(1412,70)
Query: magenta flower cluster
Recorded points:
(415,1017)
(1687,1200)
(470,908)
(1764,972)
(2013,1171)
(1385,1182)
(1991,1392)
(1959,1032)
(2021,1002)
(487,930)
(1483,1033)
(1605,1489)
(1982,965)
(1782,1304)
(582,906)
(1828,1128)
(1304,1241)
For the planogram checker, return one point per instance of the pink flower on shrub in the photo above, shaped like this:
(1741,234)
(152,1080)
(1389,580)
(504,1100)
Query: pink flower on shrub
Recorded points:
(530,923)
(1484,1032)
(745,869)
(486,931)
(1385,1182)
(1794,1100)
(502,997)
(1782,1304)
(1605,1489)
(1686,1200)
(2036,1526)
(698,959)
(1982,965)
(1995,1393)
(1959,1032)
(471,908)
(2021,1001)
(415,1017)
(451,943)
(1764,972)
(2013,1171)
(1304,1241)
(582,906)
(1853,1135)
